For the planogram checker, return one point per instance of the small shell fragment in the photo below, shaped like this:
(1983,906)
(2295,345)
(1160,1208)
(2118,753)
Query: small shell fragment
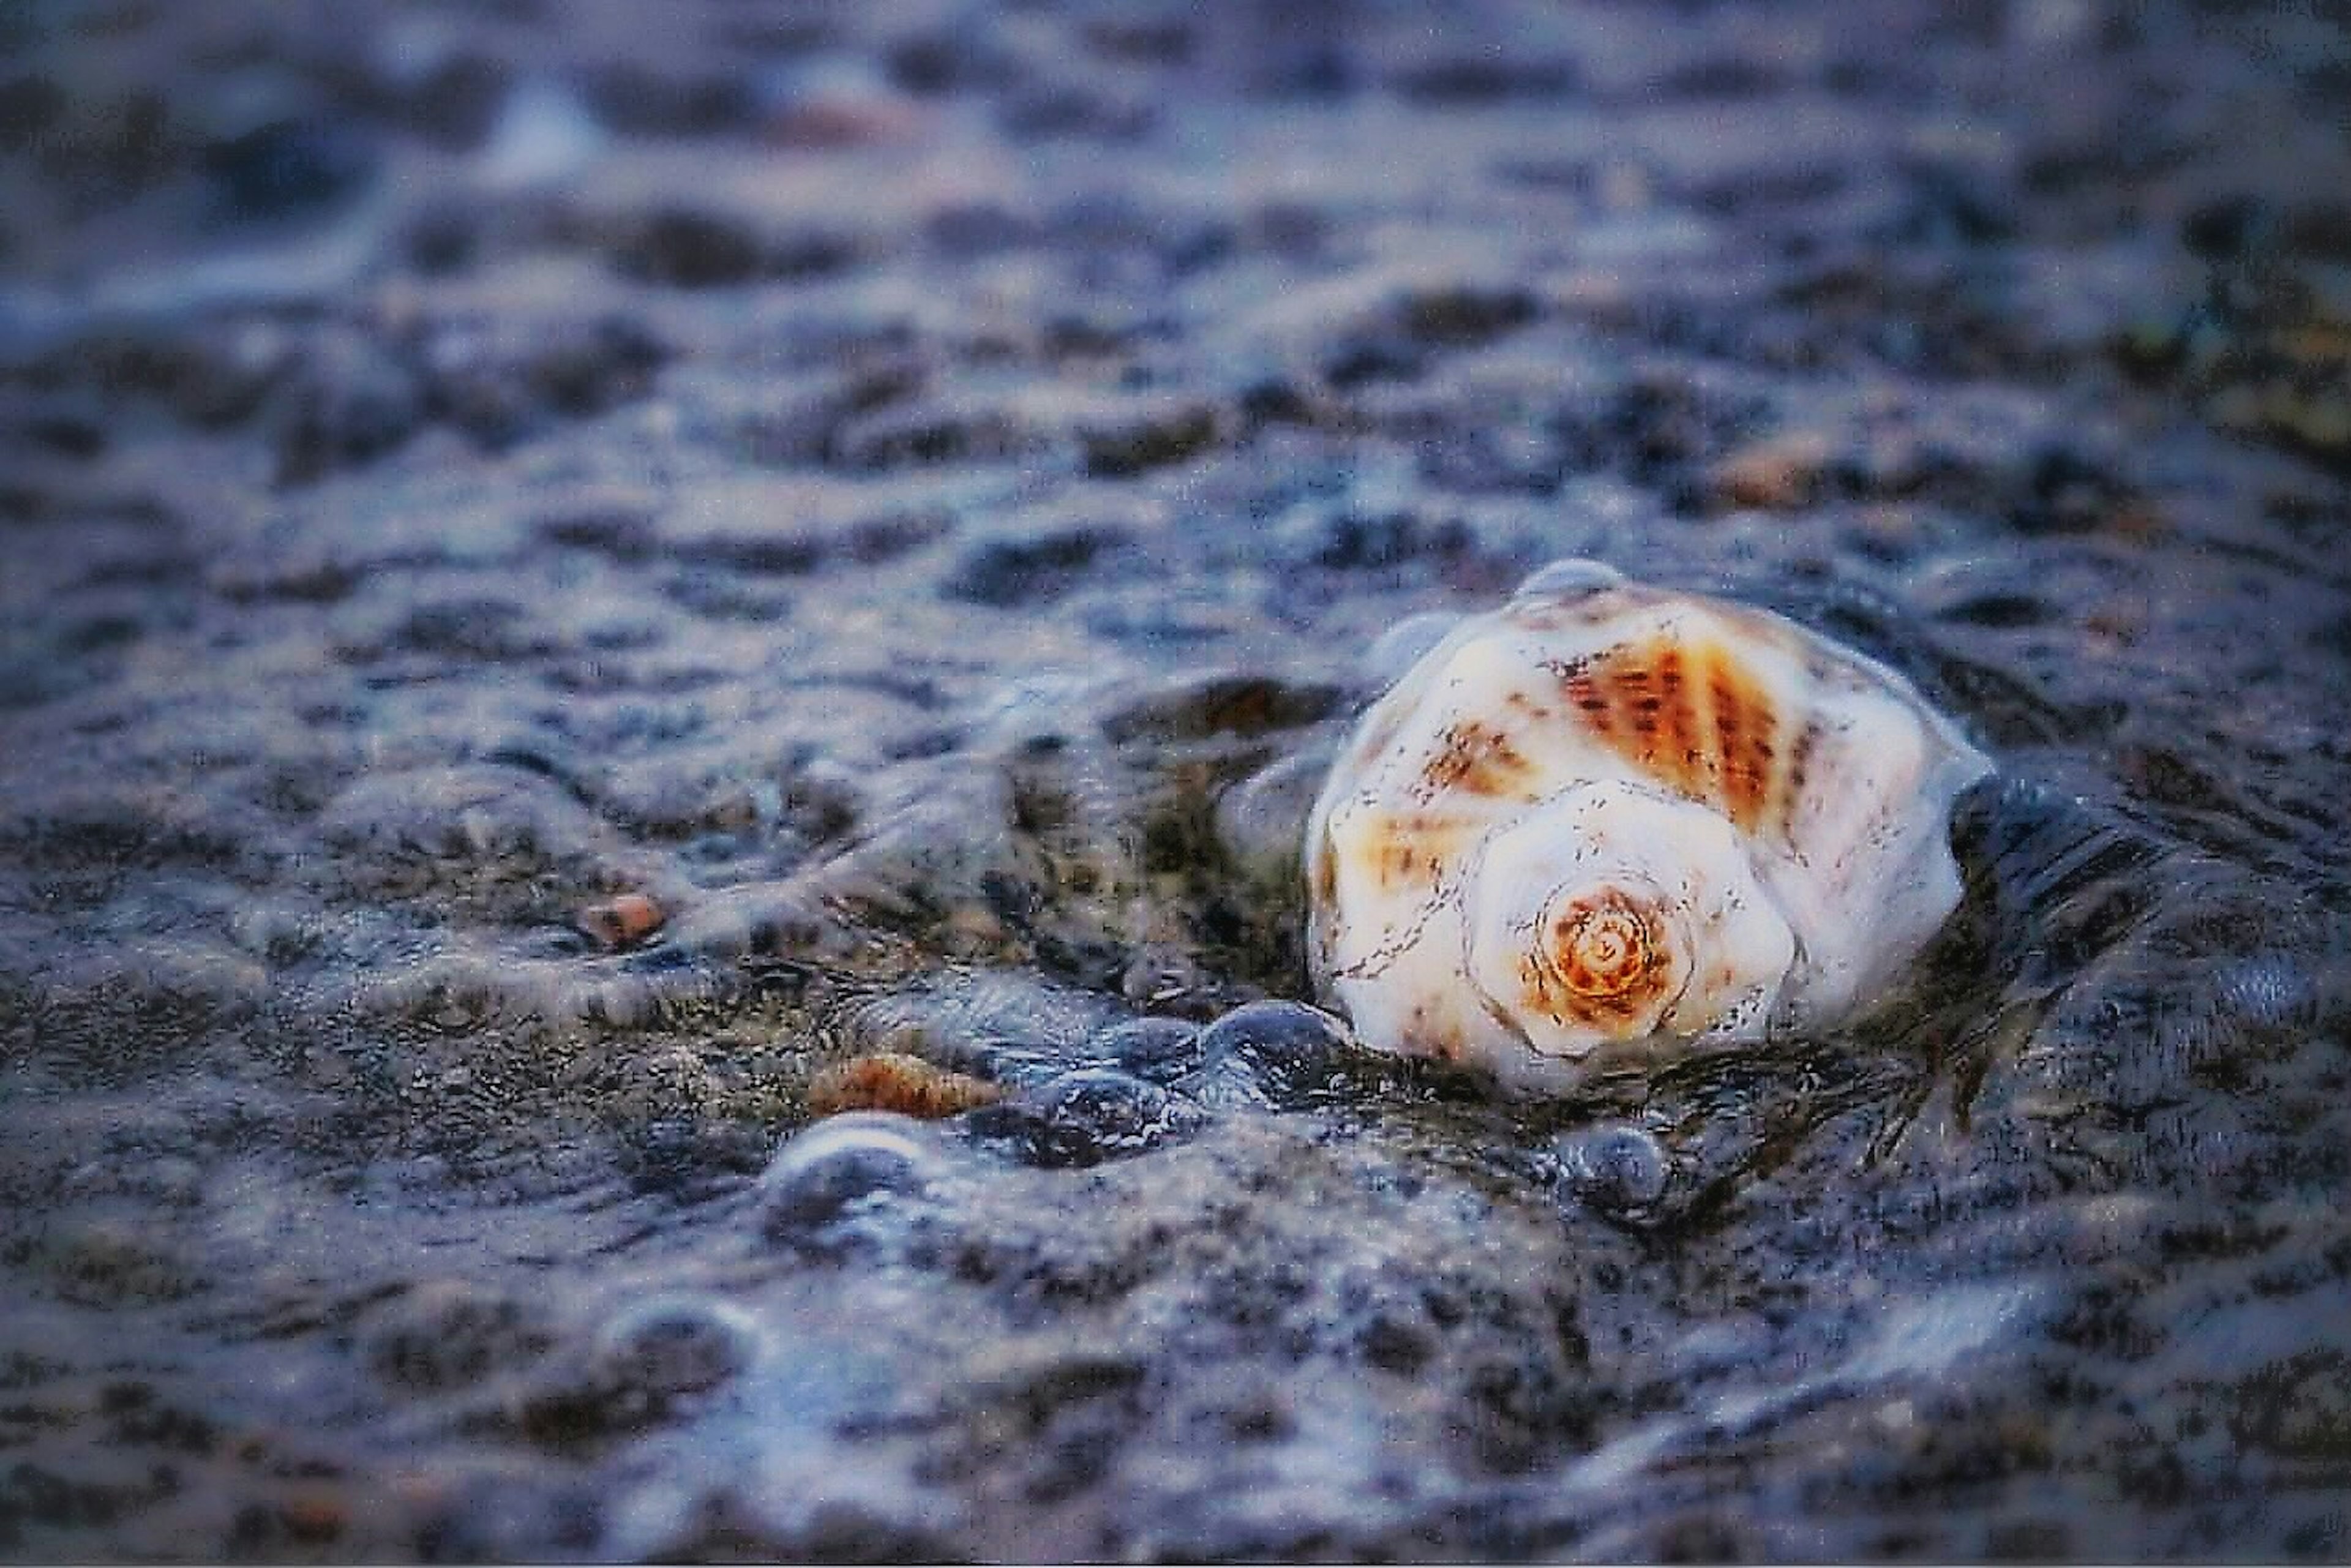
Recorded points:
(893,1080)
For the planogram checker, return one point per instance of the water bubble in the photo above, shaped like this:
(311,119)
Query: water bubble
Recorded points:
(669,1346)
(840,1181)
(1614,1169)
(1571,576)
(1157,1050)
(1085,1117)
(1275,1054)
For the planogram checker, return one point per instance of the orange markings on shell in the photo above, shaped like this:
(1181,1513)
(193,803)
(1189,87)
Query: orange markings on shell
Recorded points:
(1413,848)
(1326,873)
(1687,713)
(1399,862)
(1479,760)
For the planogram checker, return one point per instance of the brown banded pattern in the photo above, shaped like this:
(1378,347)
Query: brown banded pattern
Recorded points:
(1478,758)
(1689,711)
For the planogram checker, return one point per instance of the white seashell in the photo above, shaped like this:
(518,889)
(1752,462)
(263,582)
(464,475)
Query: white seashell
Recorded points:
(1606,813)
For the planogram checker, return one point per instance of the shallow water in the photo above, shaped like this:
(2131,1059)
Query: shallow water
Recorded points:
(918,497)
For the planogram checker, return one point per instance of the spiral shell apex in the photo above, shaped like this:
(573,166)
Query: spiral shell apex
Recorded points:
(1604,951)
(1607,813)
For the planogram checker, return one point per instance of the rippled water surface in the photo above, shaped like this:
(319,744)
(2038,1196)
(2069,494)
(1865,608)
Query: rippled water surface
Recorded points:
(577,595)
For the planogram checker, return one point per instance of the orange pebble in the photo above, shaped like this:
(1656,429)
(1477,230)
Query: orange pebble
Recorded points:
(621,922)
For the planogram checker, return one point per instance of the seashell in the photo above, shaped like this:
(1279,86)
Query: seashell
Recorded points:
(1607,814)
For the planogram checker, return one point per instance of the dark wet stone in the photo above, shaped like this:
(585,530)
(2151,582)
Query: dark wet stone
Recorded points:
(1222,704)
(689,1158)
(453,104)
(41,1497)
(1350,541)
(1276,399)
(449,1335)
(1155,1050)
(1279,1054)
(214,375)
(801,420)
(67,432)
(1148,438)
(2223,229)
(1084,1117)
(926,434)
(290,166)
(110,147)
(345,402)
(1074,109)
(1946,204)
(691,249)
(2063,491)
(1008,574)
(1486,76)
(1069,1415)
(2003,611)
(108,1263)
(1465,315)
(499,386)
(444,239)
(962,55)
(978,229)
(29,104)
(632,97)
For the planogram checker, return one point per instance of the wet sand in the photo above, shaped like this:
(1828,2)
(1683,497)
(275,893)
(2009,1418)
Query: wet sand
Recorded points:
(581,593)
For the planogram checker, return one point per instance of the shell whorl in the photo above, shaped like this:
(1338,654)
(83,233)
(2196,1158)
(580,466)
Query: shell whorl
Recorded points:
(1612,912)
(1602,954)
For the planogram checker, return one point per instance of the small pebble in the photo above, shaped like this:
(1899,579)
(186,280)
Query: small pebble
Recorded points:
(1614,1168)
(1775,475)
(621,922)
